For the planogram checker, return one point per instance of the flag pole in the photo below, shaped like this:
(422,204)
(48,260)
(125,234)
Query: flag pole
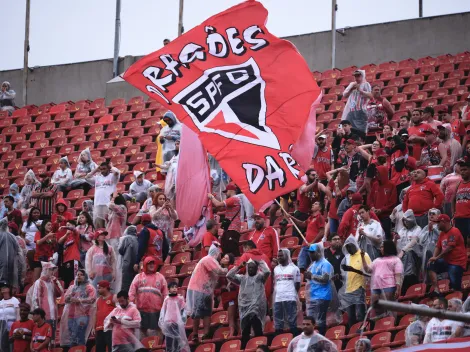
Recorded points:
(26,53)
(333,34)
(292,221)
(180,18)
(117,38)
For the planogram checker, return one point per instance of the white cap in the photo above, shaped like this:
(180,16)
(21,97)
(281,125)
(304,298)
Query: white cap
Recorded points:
(324,136)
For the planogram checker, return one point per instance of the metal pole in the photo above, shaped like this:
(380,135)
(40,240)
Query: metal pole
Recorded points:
(420,8)
(117,38)
(333,33)
(26,53)
(180,18)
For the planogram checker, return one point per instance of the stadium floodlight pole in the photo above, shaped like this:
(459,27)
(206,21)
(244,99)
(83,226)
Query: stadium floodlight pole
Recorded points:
(333,34)
(180,18)
(427,312)
(26,53)
(420,8)
(117,38)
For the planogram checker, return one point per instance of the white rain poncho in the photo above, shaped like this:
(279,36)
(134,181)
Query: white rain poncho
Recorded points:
(62,177)
(30,182)
(168,146)
(374,236)
(78,317)
(128,250)
(408,244)
(466,310)
(125,335)
(203,280)
(83,169)
(427,241)
(102,266)
(172,323)
(219,177)
(251,297)
(397,213)
(358,296)
(171,168)
(89,206)
(355,108)
(414,333)
(11,258)
(317,343)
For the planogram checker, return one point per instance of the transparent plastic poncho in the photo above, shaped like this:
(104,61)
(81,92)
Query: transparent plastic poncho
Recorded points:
(172,323)
(317,343)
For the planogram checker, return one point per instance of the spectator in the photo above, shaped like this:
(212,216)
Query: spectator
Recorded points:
(138,189)
(378,109)
(13,192)
(387,273)
(423,195)
(100,261)
(357,93)
(363,345)
(152,243)
(76,324)
(124,321)
(166,41)
(449,186)
(210,236)
(286,288)
(105,304)
(147,291)
(386,136)
(369,233)
(45,240)
(62,177)
(105,185)
(318,290)
(428,117)
(315,231)
(346,203)
(416,132)
(308,194)
(9,313)
(44,193)
(350,220)
(452,144)
(251,298)
(309,339)
(353,294)
(427,241)
(398,153)
(450,254)
(22,330)
(71,257)
(434,153)
(42,332)
(116,220)
(87,207)
(30,227)
(375,151)
(169,135)
(44,293)
(232,223)
(461,201)
(85,166)
(338,184)
(199,296)
(30,183)
(440,329)
(351,159)
(61,216)
(265,237)
(397,213)
(172,321)
(415,332)
(404,122)
(457,125)
(151,193)
(11,264)
(129,250)
(334,254)
(163,214)
(229,295)
(323,158)
(170,168)
(7,98)
(466,309)
(343,133)
(12,214)
(86,230)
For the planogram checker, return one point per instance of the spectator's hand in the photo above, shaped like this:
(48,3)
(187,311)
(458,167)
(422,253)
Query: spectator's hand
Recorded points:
(432,260)
(396,236)
(308,275)
(91,275)
(340,131)
(168,137)
(242,265)
(361,231)
(363,253)
(136,268)
(400,255)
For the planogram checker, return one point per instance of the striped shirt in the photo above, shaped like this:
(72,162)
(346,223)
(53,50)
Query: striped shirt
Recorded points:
(46,205)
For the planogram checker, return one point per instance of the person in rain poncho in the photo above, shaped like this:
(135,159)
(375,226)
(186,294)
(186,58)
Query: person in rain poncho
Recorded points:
(309,340)
(172,321)
(441,329)
(363,345)
(100,260)
(76,322)
(84,167)
(219,177)
(128,249)
(147,291)
(319,290)
(30,182)
(169,136)
(357,93)
(163,214)
(44,292)
(7,98)
(12,258)
(251,297)
(427,240)
(138,189)
(86,230)
(408,249)
(369,233)
(63,175)
(9,313)
(352,294)
(151,192)
(397,212)
(286,288)
(87,207)
(171,168)
(14,192)
(414,333)
(124,321)
(466,310)
(200,294)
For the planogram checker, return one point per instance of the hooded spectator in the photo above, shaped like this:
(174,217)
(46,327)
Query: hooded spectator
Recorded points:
(117,219)
(170,168)
(11,263)
(30,182)
(169,135)
(9,312)
(427,241)
(85,166)
(138,189)
(151,192)
(87,207)
(61,216)
(398,153)
(128,249)
(62,177)
(415,332)
(346,203)
(7,98)
(101,260)
(86,230)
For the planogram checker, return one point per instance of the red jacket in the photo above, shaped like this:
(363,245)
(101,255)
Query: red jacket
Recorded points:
(423,196)
(350,221)
(256,254)
(267,241)
(383,193)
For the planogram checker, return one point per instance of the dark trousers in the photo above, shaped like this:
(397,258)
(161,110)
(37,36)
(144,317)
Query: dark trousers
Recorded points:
(356,313)
(400,188)
(463,224)
(422,220)
(230,241)
(249,323)
(386,223)
(103,340)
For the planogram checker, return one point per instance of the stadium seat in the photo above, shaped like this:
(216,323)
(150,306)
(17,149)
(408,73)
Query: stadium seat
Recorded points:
(206,347)
(328,83)
(406,72)
(114,126)
(118,110)
(117,102)
(124,117)
(336,332)
(25,145)
(436,76)
(151,342)
(389,91)
(9,130)
(406,320)
(135,108)
(231,346)
(80,348)
(281,341)
(387,75)
(338,90)
(381,339)
(445,68)
(451,83)
(352,343)
(19,113)
(219,318)
(414,292)
(100,112)
(416,79)
(410,89)
(81,114)
(457,74)
(17,138)
(75,194)
(426,70)
(22,121)
(254,342)
(383,324)
(429,102)
(456,294)
(466,283)
(289,242)
(398,98)
(105,120)
(333,73)
(430,86)
(418,97)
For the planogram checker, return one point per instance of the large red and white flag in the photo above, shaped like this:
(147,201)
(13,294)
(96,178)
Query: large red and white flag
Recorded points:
(246,93)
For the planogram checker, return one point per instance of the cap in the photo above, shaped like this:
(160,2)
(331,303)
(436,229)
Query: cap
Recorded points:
(429,129)
(350,141)
(443,217)
(100,232)
(357,72)
(312,248)
(12,225)
(411,163)
(356,198)
(259,215)
(104,284)
(230,187)
(446,126)
(146,218)
(323,136)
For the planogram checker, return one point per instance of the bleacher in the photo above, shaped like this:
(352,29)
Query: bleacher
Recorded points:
(125,132)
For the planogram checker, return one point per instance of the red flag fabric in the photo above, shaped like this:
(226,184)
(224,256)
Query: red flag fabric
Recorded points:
(246,93)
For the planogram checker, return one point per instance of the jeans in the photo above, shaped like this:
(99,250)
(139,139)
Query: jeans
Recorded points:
(77,329)
(303,261)
(356,313)
(334,224)
(455,272)
(251,322)
(318,308)
(285,312)
(463,224)
(103,340)
(422,220)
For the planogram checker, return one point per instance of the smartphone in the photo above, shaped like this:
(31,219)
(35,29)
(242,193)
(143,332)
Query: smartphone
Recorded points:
(340,125)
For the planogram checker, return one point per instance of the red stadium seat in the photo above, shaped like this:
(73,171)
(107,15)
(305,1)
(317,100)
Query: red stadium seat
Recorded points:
(352,343)
(137,107)
(328,83)
(406,72)
(413,292)
(254,342)
(19,113)
(96,104)
(118,160)
(410,89)
(15,164)
(168,270)
(133,124)
(446,68)
(141,167)
(117,102)
(87,121)
(56,109)
(440,93)
(118,110)
(430,86)
(457,74)
(81,114)
(116,135)
(418,96)
(100,112)
(387,75)
(24,120)
(451,83)
(389,91)
(9,130)
(37,136)
(416,79)
(106,120)
(381,339)
(144,115)
(136,100)
(388,66)
(207,347)
(95,128)
(67,124)
(17,138)
(124,117)
(96,137)
(429,102)
(398,98)
(219,318)
(426,70)
(75,194)
(8,156)
(151,342)
(231,346)
(26,145)
(281,341)
(436,76)
(67,149)
(78,139)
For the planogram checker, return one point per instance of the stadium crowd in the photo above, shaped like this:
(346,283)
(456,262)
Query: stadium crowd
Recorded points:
(383,209)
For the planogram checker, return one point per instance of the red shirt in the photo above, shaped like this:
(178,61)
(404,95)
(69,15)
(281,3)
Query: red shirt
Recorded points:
(417,131)
(22,345)
(207,240)
(462,200)
(232,213)
(42,250)
(39,336)
(314,224)
(423,196)
(16,217)
(458,129)
(72,246)
(306,199)
(104,306)
(402,176)
(322,162)
(267,241)
(458,255)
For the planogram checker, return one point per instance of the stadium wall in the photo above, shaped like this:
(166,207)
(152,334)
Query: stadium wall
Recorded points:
(392,41)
